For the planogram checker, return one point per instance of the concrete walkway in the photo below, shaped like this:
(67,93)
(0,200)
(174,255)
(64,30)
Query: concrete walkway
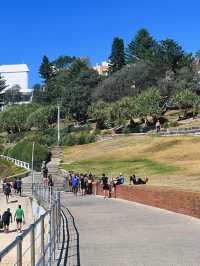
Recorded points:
(116,232)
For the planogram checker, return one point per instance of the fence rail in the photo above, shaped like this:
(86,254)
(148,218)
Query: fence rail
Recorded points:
(16,162)
(180,131)
(45,231)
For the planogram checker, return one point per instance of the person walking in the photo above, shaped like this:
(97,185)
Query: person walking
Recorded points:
(83,181)
(90,180)
(15,185)
(50,183)
(75,183)
(19,186)
(1,222)
(19,217)
(6,219)
(104,180)
(158,126)
(7,191)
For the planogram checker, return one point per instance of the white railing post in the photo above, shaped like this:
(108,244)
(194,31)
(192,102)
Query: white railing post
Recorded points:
(16,162)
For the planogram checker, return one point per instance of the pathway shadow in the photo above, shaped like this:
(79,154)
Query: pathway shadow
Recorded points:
(10,231)
(12,201)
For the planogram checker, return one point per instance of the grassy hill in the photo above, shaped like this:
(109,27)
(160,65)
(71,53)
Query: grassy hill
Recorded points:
(167,161)
(8,169)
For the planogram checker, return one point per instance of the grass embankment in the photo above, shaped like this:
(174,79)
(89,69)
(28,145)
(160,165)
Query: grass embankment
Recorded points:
(9,169)
(167,161)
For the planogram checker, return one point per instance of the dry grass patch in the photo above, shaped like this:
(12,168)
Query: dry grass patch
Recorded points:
(169,161)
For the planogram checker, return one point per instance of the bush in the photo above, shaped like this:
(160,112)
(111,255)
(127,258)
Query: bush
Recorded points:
(126,131)
(170,124)
(78,139)
(23,151)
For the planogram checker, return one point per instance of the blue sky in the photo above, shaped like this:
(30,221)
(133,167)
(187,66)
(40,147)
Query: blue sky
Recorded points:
(30,29)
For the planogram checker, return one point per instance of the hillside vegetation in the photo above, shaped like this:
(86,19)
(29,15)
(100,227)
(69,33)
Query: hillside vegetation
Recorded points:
(9,169)
(167,161)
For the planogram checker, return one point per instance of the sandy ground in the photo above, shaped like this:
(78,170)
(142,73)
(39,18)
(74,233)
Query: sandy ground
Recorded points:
(6,238)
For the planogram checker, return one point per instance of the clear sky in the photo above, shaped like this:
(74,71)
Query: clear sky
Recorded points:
(32,28)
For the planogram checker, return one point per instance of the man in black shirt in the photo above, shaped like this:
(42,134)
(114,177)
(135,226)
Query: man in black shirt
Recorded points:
(7,218)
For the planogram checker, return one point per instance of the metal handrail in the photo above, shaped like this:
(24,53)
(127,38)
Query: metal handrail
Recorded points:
(52,198)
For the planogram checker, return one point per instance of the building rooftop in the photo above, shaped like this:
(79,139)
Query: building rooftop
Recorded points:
(13,68)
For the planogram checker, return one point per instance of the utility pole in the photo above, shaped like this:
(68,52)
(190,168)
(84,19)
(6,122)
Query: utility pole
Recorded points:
(33,148)
(58,124)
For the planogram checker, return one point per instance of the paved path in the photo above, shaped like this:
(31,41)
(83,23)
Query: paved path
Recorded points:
(115,232)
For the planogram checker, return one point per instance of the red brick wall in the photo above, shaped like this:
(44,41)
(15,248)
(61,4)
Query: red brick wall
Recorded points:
(181,201)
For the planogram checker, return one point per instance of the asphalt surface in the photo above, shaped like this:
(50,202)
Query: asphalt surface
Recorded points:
(117,232)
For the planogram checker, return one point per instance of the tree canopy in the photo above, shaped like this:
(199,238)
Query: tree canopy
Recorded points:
(117,57)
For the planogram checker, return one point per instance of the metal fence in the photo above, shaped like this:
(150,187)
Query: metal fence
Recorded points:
(16,162)
(37,244)
(180,131)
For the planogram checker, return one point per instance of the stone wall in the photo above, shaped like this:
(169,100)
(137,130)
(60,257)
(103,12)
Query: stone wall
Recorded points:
(177,200)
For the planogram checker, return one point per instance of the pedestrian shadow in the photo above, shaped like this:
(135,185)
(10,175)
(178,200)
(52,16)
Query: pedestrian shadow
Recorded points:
(10,231)
(12,201)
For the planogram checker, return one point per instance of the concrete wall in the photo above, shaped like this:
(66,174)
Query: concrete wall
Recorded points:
(181,201)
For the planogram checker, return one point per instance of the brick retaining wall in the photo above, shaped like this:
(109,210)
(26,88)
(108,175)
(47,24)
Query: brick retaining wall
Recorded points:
(177,200)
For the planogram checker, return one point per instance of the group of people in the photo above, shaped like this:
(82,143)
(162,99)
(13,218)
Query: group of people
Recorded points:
(110,183)
(6,219)
(16,185)
(79,183)
(82,183)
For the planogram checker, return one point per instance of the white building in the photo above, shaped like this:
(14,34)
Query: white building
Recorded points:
(15,75)
(102,68)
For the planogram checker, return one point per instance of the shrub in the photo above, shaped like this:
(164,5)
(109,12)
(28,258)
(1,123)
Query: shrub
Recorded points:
(78,139)
(126,131)
(170,124)
(23,151)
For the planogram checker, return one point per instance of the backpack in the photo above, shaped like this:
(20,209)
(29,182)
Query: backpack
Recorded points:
(122,179)
(7,189)
(19,184)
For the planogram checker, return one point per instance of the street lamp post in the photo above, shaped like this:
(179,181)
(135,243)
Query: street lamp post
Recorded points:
(58,124)
(33,148)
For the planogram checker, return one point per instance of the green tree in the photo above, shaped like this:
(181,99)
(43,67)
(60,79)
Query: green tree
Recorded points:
(172,54)
(63,62)
(39,94)
(185,100)
(129,81)
(75,86)
(42,118)
(13,119)
(117,57)
(12,95)
(148,104)
(100,112)
(141,47)
(45,70)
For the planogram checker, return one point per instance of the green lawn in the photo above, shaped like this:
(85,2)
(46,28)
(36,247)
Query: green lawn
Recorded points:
(114,167)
